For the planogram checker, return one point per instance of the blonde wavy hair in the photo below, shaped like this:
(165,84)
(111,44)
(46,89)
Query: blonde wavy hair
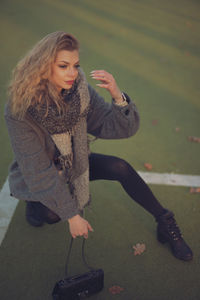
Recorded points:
(30,79)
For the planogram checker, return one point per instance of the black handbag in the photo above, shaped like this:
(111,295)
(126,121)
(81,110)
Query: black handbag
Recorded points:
(79,286)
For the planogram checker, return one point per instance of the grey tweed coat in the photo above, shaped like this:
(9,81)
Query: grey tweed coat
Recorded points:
(33,175)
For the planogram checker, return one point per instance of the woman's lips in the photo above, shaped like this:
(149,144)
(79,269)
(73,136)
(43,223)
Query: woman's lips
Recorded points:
(69,82)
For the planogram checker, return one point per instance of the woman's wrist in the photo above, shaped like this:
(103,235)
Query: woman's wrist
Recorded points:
(120,100)
(73,218)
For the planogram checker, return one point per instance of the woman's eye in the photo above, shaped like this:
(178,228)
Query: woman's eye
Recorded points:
(62,66)
(77,66)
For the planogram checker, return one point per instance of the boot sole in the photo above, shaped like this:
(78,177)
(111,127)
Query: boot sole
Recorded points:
(163,240)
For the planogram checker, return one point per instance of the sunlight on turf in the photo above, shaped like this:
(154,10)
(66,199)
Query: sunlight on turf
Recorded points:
(159,64)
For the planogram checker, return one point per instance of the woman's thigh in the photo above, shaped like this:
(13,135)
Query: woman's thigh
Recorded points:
(106,167)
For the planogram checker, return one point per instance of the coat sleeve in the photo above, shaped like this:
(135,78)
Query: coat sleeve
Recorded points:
(37,170)
(111,121)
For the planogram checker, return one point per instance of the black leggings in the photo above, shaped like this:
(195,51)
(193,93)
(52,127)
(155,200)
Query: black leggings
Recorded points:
(109,167)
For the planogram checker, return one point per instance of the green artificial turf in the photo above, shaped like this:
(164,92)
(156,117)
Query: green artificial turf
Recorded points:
(33,259)
(152,48)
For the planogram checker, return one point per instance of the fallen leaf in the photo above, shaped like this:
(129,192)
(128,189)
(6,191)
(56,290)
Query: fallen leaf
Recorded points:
(187,53)
(155,122)
(194,139)
(188,24)
(194,190)
(139,248)
(177,129)
(148,166)
(115,289)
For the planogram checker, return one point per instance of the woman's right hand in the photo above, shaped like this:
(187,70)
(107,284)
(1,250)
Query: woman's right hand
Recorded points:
(78,226)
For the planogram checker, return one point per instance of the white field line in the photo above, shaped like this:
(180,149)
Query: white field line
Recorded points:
(8,204)
(7,208)
(171,179)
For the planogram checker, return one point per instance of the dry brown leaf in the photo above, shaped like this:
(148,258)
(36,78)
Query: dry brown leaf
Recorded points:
(148,166)
(194,139)
(194,190)
(155,122)
(177,129)
(115,289)
(187,53)
(188,24)
(139,248)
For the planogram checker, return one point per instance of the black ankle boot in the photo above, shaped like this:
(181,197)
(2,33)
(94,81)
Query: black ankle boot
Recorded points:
(168,231)
(34,213)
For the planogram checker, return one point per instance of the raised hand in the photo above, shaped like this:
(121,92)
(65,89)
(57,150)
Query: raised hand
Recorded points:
(108,82)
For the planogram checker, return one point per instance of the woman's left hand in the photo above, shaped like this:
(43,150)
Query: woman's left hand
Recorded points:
(108,82)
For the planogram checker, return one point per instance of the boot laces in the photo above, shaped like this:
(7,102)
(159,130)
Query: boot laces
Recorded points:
(173,229)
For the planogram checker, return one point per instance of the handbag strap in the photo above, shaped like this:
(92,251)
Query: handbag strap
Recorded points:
(83,256)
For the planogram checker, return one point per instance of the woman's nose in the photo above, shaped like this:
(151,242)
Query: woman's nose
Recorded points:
(72,72)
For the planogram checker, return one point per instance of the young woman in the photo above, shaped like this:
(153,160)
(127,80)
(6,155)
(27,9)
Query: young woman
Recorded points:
(50,111)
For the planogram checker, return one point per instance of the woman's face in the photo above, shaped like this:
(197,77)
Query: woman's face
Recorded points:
(65,69)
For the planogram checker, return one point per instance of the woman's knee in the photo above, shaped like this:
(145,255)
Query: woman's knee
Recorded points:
(120,167)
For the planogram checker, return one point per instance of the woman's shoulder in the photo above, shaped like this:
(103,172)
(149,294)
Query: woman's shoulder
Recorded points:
(13,120)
